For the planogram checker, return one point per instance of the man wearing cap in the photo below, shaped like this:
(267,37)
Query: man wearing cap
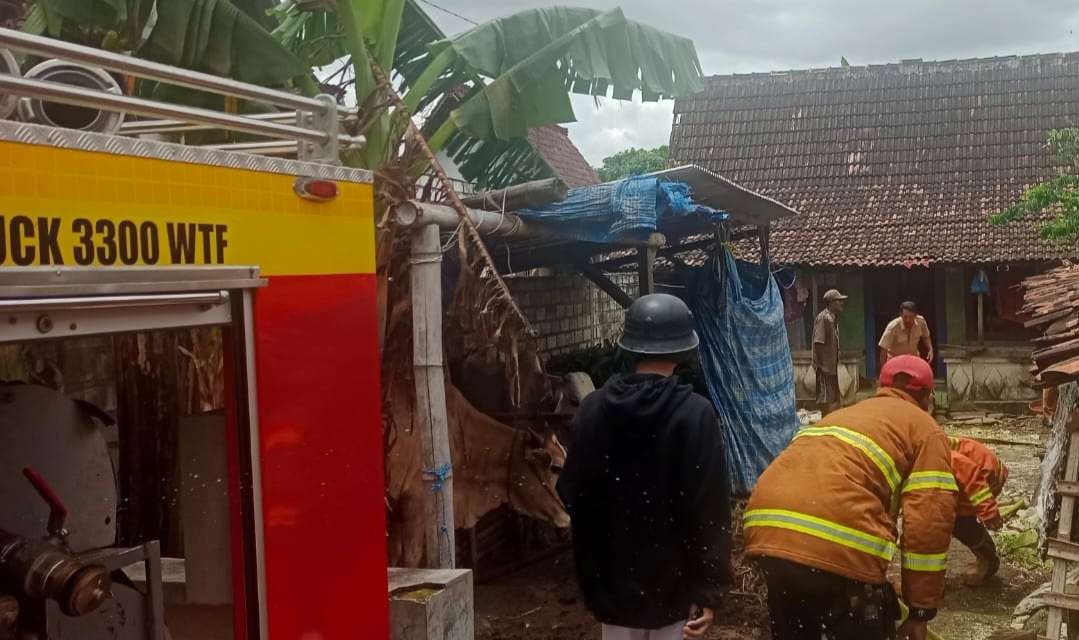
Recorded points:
(826,351)
(822,519)
(646,487)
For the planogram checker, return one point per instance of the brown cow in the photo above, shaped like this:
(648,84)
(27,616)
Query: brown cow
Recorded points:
(492,465)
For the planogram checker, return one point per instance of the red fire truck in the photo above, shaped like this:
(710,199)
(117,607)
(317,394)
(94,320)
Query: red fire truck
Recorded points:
(112,242)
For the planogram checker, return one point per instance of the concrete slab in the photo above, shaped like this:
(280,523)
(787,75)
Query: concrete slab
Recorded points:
(430,604)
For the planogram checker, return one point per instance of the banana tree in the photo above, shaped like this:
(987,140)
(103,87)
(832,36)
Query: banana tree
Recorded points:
(478,93)
(481,91)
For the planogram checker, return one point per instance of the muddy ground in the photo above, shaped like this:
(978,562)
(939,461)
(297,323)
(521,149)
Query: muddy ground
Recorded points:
(541,602)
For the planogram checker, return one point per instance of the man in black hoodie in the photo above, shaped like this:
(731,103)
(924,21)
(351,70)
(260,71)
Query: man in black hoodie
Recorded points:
(646,487)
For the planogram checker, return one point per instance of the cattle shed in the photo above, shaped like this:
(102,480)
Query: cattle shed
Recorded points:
(525,249)
(895,169)
(567,311)
(554,278)
(520,246)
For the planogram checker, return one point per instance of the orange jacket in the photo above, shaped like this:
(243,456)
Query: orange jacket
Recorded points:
(831,499)
(980,476)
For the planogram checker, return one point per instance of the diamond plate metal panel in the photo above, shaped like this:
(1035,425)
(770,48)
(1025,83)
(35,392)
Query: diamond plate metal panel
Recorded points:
(118,145)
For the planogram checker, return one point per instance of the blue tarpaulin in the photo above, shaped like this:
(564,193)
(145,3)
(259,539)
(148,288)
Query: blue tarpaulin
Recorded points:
(746,362)
(620,210)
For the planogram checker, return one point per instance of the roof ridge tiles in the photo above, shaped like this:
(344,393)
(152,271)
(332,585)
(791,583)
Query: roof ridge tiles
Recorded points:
(908,65)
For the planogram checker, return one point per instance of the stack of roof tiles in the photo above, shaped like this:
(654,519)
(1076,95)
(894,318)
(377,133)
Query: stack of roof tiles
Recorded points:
(1051,303)
(896,164)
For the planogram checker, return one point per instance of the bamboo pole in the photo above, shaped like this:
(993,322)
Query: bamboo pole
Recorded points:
(426,279)
(527,195)
(416,214)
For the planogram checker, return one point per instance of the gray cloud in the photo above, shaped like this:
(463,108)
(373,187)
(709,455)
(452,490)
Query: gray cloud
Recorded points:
(764,35)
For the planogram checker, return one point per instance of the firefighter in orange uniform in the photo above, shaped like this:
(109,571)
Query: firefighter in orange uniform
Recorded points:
(980,476)
(822,518)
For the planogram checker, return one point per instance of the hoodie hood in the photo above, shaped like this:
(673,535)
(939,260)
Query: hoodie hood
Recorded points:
(637,402)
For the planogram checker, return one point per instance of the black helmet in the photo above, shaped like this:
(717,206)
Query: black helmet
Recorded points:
(658,324)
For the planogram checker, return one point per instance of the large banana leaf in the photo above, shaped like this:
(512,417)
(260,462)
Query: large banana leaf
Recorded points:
(222,37)
(216,37)
(313,36)
(65,18)
(317,38)
(98,13)
(536,57)
(491,164)
(259,11)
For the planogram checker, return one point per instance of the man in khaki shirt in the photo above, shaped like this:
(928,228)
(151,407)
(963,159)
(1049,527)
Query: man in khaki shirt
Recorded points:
(826,351)
(906,335)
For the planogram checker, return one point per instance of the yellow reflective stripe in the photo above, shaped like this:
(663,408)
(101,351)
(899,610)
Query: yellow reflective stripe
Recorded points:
(876,454)
(821,528)
(981,496)
(925,561)
(930,480)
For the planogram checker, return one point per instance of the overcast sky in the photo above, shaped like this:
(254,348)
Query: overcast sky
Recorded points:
(767,35)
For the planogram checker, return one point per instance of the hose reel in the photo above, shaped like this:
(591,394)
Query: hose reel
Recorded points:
(70,116)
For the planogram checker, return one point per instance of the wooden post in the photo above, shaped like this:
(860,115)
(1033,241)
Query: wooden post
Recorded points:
(981,318)
(147,417)
(426,280)
(646,262)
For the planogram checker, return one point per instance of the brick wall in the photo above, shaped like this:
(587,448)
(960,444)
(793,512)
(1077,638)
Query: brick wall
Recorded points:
(568,311)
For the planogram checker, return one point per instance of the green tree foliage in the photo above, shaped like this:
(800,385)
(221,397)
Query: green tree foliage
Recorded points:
(633,161)
(1059,195)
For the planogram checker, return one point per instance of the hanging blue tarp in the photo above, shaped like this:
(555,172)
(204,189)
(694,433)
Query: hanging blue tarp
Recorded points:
(620,210)
(746,362)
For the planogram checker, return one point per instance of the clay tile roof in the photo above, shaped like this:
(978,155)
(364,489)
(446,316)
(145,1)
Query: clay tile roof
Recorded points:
(894,164)
(552,143)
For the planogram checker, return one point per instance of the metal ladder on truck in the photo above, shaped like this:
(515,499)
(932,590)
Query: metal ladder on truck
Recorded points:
(304,127)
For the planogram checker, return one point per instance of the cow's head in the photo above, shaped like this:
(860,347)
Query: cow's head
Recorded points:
(534,467)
